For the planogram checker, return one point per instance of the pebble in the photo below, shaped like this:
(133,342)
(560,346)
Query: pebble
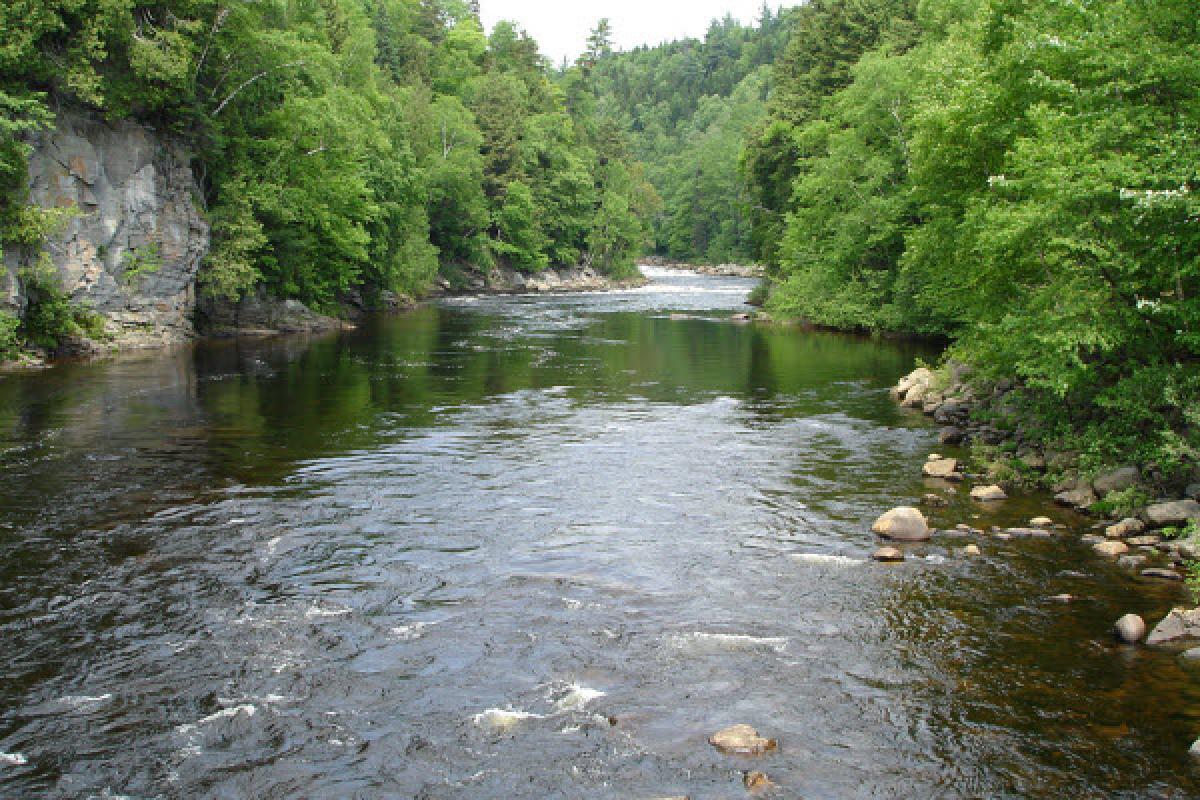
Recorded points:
(1130,628)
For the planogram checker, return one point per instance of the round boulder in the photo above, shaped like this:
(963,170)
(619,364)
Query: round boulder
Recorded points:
(904,524)
(1130,628)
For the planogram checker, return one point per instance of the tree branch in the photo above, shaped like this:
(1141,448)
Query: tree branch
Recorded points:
(251,80)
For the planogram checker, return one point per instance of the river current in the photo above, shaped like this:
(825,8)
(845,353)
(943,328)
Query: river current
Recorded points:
(541,547)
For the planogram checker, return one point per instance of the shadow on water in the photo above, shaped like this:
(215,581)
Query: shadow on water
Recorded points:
(540,547)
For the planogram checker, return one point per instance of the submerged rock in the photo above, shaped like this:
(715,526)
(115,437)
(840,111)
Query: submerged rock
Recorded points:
(888,555)
(741,740)
(1162,574)
(757,781)
(904,524)
(1181,624)
(1130,628)
(988,494)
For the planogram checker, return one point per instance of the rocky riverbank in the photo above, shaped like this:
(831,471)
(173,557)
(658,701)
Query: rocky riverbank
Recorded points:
(718,270)
(459,280)
(1128,514)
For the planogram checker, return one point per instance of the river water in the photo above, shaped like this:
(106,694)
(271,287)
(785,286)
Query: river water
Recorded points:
(540,547)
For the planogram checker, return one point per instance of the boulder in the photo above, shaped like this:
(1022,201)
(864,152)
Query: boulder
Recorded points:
(972,551)
(1111,548)
(920,376)
(904,524)
(1130,628)
(1177,512)
(988,494)
(952,435)
(1076,498)
(1194,750)
(1091,538)
(1162,574)
(1181,624)
(741,740)
(1191,656)
(940,468)
(1143,541)
(1126,527)
(888,555)
(1117,480)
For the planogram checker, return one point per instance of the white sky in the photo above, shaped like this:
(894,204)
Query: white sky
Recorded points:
(561,28)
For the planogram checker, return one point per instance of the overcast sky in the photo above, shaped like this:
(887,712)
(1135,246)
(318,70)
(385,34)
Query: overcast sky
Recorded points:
(561,27)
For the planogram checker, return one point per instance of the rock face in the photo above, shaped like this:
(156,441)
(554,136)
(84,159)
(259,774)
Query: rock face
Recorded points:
(134,247)
(1130,628)
(741,740)
(1174,513)
(1181,624)
(904,524)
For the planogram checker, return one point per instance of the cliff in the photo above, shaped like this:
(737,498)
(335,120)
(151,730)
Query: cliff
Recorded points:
(132,250)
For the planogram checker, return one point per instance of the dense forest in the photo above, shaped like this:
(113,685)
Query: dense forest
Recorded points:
(1017,176)
(340,143)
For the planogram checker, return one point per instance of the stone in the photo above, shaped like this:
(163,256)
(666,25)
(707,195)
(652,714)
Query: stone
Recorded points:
(1131,562)
(1035,461)
(934,501)
(972,551)
(1181,624)
(1091,538)
(1176,512)
(1192,491)
(1191,656)
(1063,598)
(1041,522)
(888,555)
(919,376)
(1003,536)
(741,740)
(1076,498)
(1111,548)
(1194,750)
(757,781)
(940,468)
(1143,541)
(1117,480)
(1130,628)
(1162,574)
(1126,527)
(988,494)
(904,524)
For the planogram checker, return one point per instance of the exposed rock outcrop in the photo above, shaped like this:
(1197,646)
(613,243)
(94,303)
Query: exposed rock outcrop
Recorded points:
(135,241)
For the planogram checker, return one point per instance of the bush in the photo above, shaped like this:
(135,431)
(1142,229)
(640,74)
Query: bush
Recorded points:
(50,316)
(10,342)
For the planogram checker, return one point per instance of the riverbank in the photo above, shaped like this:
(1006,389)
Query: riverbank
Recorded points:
(715,270)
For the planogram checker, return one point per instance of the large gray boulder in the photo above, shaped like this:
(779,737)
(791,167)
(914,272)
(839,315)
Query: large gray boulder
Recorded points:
(1116,481)
(904,524)
(1180,625)
(1176,512)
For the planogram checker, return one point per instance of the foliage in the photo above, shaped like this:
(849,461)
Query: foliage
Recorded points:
(10,340)
(1017,176)
(139,262)
(50,315)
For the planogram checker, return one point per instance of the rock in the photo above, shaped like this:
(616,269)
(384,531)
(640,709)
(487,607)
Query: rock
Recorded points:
(1194,751)
(1041,522)
(1162,574)
(940,468)
(1181,624)
(972,551)
(951,435)
(888,555)
(1091,538)
(741,740)
(934,501)
(988,494)
(921,376)
(1111,548)
(1117,480)
(1077,498)
(1035,461)
(1063,598)
(1143,541)
(1177,512)
(1003,536)
(904,524)
(757,781)
(1131,562)
(1130,628)
(1192,491)
(1191,656)
(1126,527)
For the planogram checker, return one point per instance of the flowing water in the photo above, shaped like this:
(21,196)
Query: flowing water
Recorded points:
(540,547)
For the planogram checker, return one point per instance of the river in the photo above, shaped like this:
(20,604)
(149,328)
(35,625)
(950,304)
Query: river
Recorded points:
(540,547)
